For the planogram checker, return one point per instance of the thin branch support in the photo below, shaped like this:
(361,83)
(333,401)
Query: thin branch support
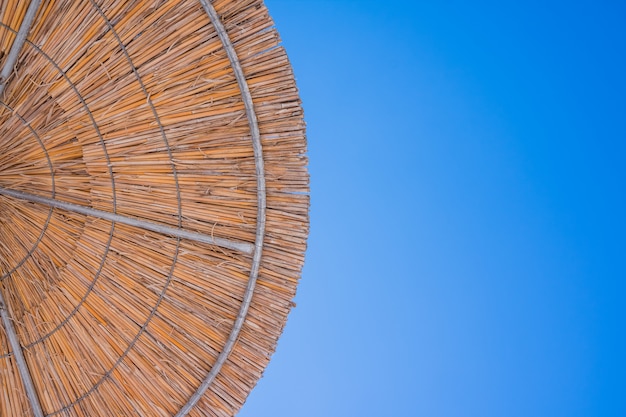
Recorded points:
(18,44)
(20,361)
(131,221)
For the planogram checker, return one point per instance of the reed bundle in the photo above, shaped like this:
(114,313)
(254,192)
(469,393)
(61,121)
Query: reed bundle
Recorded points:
(134,108)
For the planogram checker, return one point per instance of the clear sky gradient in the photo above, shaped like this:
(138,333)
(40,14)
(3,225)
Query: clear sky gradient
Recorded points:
(468,199)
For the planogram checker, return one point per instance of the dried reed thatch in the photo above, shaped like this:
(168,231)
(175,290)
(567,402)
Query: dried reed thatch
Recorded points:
(153,205)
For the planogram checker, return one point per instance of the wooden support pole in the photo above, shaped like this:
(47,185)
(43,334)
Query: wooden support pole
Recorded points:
(18,44)
(131,221)
(20,361)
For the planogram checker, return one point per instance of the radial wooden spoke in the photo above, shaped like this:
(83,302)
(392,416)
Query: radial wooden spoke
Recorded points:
(18,43)
(131,221)
(22,367)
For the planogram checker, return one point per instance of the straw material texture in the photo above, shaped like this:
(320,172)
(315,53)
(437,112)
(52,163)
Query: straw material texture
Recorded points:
(133,108)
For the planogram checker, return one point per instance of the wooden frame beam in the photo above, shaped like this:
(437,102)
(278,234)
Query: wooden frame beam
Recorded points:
(244,247)
(18,43)
(20,361)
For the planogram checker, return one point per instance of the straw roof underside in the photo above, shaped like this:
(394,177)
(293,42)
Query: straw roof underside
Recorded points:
(133,108)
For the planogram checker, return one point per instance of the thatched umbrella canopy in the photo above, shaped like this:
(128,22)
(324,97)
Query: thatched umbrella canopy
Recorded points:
(153,205)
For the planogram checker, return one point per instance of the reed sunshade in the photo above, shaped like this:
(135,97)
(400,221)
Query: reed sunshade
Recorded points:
(153,205)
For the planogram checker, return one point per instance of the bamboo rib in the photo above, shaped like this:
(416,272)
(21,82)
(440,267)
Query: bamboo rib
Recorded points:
(143,224)
(19,358)
(18,43)
(133,108)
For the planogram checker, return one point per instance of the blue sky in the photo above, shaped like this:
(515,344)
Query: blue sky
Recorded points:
(468,191)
